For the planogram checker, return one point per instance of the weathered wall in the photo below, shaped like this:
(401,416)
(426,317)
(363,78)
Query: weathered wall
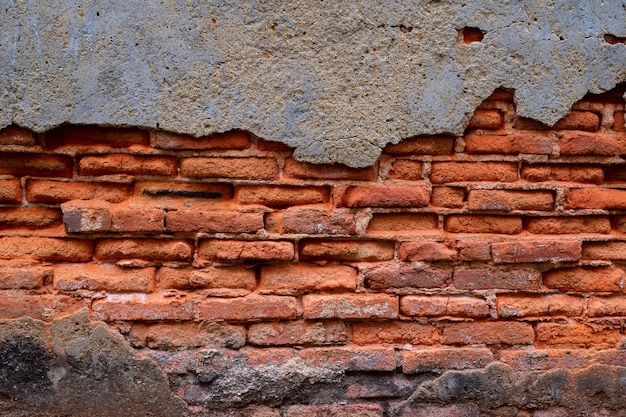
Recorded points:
(335,80)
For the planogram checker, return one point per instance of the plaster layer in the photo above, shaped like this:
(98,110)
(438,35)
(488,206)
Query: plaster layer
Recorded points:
(335,80)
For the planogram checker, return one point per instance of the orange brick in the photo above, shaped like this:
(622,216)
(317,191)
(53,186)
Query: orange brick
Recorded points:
(41,191)
(250,308)
(536,251)
(213,221)
(619,125)
(15,135)
(303,170)
(586,279)
(298,333)
(356,250)
(422,145)
(352,358)
(489,333)
(35,165)
(619,223)
(485,279)
(46,249)
(114,164)
(483,224)
(394,277)
(436,306)
(148,249)
(610,251)
(425,251)
(606,306)
(515,143)
(259,357)
(561,172)
(244,168)
(170,336)
(41,307)
(143,220)
(311,221)
(580,143)
(177,190)
(405,169)
(394,332)
(10,191)
(510,200)
(486,119)
(281,196)
(595,198)
(240,250)
(229,140)
(401,223)
(386,196)
(452,197)
(107,277)
(23,274)
(529,306)
(208,278)
(94,135)
(86,216)
(446,172)
(473,250)
(350,306)
(568,225)
(142,307)
(335,410)
(301,278)
(29,217)
(441,360)
(579,120)
(576,334)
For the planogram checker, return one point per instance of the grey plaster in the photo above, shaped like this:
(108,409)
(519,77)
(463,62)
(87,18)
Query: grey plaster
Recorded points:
(336,80)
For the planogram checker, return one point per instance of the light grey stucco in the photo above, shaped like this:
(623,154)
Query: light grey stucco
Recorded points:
(337,80)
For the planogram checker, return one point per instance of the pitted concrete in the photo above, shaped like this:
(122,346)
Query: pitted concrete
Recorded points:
(335,80)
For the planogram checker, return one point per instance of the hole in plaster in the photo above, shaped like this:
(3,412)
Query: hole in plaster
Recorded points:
(471,35)
(405,29)
(614,40)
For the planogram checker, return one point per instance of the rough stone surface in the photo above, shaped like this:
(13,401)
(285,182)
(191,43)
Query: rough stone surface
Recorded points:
(336,81)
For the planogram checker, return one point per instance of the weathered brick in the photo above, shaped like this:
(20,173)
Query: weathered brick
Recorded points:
(242,250)
(425,251)
(142,307)
(405,169)
(595,198)
(619,223)
(561,172)
(86,216)
(15,135)
(451,197)
(576,334)
(510,200)
(401,223)
(441,360)
(486,119)
(423,145)
(229,140)
(619,125)
(377,386)
(436,306)
(386,196)
(610,279)
(485,279)
(303,170)
(236,278)
(536,251)
(489,333)
(298,333)
(473,250)
(148,249)
(311,221)
(356,250)
(394,332)
(606,306)
(275,355)
(244,168)
(447,172)
(173,190)
(114,164)
(272,146)
(169,336)
(301,278)
(615,173)
(281,196)
(579,120)
(457,410)
(142,220)
(335,410)
(249,308)
(460,223)
(405,276)
(42,191)
(350,306)
(537,306)
(46,249)
(515,143)
(352,358)
(213,221)
(108,277)
(23,274)
(10,191)
(567,225)
(94,135)
(609,251)
(35,165)
(540,359)
(581,143)
(29,217)
(41,307)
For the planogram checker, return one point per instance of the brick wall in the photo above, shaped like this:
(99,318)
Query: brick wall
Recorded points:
(506,245)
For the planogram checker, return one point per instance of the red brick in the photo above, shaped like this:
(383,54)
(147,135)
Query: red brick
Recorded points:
(213,221)
(486,279)
(170,336)
(311,221)
(568,225)
(486,119)
(615,173)
(86,216)
(529,306)
(619,125)
(441,360)
(250,308)
(23,274)
(452,197)
(356,250)
(580,143)
(94,135)
(515,143)
(586,279)
(536,251)
(241,250)
(10,191)
(422,145)
(576,334)
(41,191)
(204,192)
(301,278)
(510,200)
(298,333)
(46,249)
(107,277)
(142,220)
(335,410)
(352,358)
(271,146)
(35,165)
(142,307)
(207,278)
(14,135)
(281,196)
(609,251)
(29,217)
(259,357)
(560,172)
(405,169)
(386,196)
(489,333)
(244,168)
(500,94)
(128,164)
(350,306)
(473,250)
(606,306)
(394,332)
(579,120)
(425,251)
(147,249)
(595,198)
(229,140)
(41,307)
(402,277)
(483,224)
(303,170)
(401,223)
(446,172)
(436,306)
